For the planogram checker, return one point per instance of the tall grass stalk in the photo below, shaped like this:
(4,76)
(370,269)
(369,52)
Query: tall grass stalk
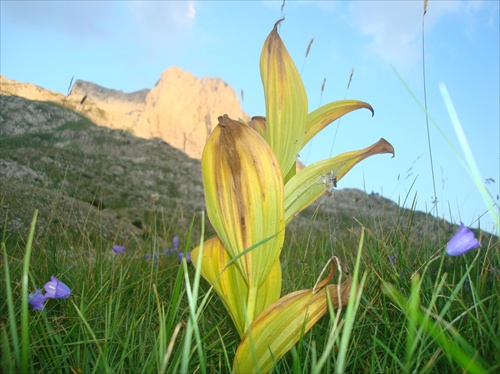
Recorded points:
(334,332)
(468,163)
(455,345)
(25,338)
(425,106)
(194,314)
(352,308)
(10,361)
(471,166)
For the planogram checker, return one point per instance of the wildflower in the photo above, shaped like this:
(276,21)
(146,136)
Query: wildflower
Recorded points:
(175,247)
(119,249)
(56,289)
(175,243)
(37,299)
(462,242)
(188,257)
(153,256)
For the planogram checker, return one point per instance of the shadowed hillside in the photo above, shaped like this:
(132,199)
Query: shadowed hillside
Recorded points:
(114,185)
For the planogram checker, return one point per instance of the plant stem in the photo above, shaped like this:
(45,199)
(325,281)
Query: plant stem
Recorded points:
(251,301)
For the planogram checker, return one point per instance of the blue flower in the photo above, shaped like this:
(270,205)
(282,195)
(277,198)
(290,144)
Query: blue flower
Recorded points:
(37,299)
(119,249)
(462,242)
(175,242)
(56,289)
(153,256)
(175,247)
(188,257)
(171,251)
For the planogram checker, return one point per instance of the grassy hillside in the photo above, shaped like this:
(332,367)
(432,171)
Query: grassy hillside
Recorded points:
(418,309)
(98,173)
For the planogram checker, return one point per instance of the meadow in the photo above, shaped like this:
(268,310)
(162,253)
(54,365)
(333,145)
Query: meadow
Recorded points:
(418,310)
(146,309)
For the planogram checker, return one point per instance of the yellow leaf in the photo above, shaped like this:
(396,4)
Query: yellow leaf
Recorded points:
(286,101)
(258,123)
(279,327)
(231,286)
(244,197)
(323,116)
(312,181)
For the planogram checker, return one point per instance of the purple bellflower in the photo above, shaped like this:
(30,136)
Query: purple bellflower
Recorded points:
(171,251)
(56,289)
(37,299)
(175,243)
(119,249)
(188,257)
(175,247)
(153,256)
(462,242)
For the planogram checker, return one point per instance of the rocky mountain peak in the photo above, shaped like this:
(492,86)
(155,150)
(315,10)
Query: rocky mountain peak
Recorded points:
(181,109)
(81,88)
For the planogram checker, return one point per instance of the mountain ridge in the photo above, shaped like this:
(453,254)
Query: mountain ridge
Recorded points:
(181,109)
(81,88)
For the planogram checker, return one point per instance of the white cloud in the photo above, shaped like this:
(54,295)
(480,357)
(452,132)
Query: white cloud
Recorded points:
(191,12)
(80,20)
(394,28)
(479,14)
(165,19)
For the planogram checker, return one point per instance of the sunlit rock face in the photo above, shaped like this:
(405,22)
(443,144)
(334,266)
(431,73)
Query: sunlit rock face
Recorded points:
(181,109)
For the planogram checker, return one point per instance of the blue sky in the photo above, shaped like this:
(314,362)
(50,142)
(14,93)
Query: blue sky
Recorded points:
(127,45)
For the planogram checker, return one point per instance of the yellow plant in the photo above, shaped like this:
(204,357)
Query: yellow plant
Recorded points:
(252,191)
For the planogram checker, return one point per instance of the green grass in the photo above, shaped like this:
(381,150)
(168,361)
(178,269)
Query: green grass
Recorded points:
(422,311)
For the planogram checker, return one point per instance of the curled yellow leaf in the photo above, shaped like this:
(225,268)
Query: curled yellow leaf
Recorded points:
(312,181)
(230,285)
(286,101)
(258,123)
(318,119)
(244,197)
(279,327)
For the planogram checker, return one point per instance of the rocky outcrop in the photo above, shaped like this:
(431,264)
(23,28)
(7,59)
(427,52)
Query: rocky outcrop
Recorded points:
(181,109)
(20,116)
(27,90)
(105,95)
(107,107)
